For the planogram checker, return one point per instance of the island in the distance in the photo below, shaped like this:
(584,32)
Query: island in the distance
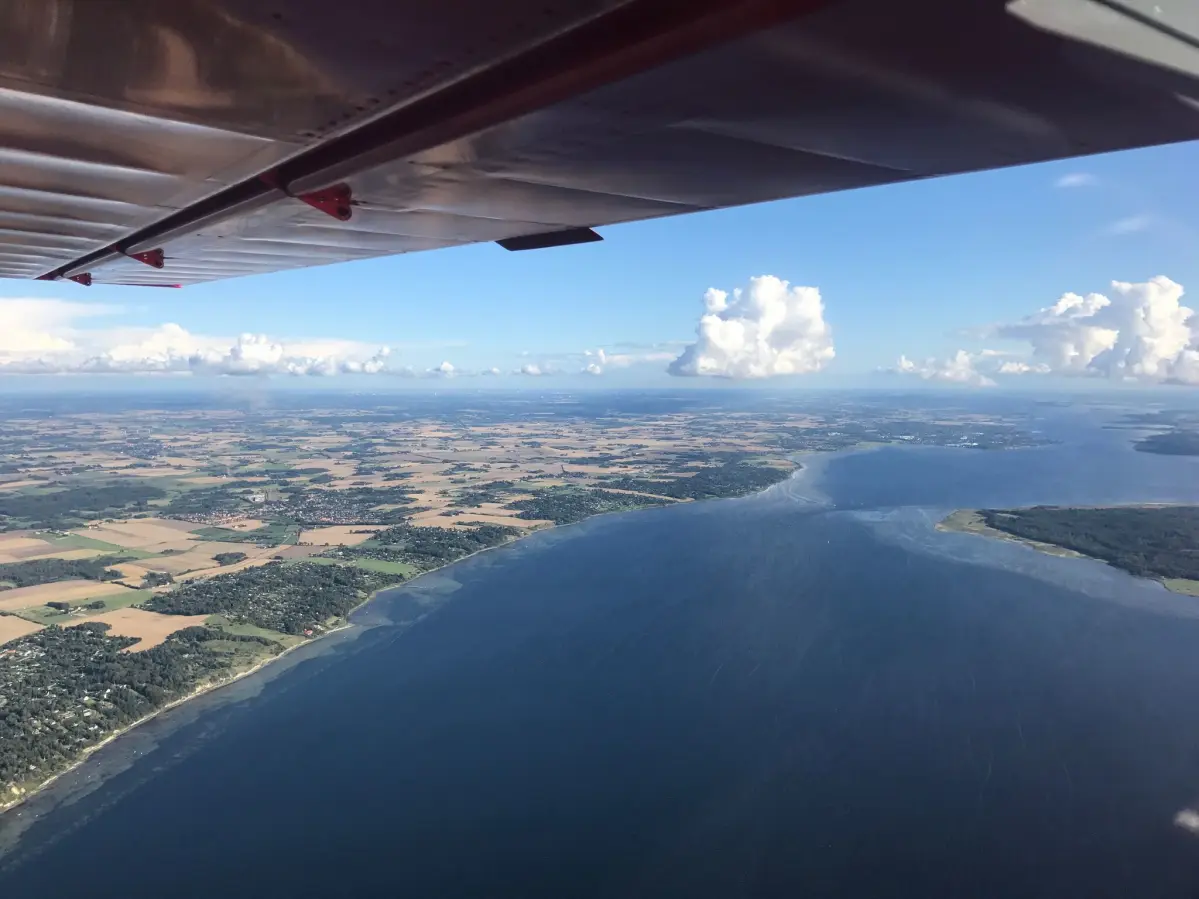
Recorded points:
(1178,442)
(1177,431)
(1151,541)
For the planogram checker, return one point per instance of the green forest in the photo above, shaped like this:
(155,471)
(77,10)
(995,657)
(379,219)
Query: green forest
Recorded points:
(206,501)
(65,689)
(1149,541)
(48,571)
(490,492)
(430,547)
(730,479)
(272,534)
(565,505)
(63,509)
(289,598)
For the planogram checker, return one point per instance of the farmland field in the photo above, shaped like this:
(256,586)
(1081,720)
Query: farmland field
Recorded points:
(151,628)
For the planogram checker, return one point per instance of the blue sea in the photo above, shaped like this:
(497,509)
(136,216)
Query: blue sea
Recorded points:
(810,692)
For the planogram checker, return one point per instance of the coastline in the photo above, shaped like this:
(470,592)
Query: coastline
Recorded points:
(968,521)
(196,692)
(11,805)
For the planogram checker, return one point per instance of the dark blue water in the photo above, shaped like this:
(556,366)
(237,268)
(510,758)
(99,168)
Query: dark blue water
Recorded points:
(765,697)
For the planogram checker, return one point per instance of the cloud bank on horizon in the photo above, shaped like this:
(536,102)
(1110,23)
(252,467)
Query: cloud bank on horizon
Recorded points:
(60,337)
(1136,333)
(598,361)
(1142,333)
(42,336)
(957,369)
(766,329)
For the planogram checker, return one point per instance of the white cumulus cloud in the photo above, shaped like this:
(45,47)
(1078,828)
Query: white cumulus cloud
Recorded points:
(257,354)
(766,329)
(45,336)
(957,369)
(1141,332)
(531,369)
(371,366)
(1018,367)
(32,327)
(598,361)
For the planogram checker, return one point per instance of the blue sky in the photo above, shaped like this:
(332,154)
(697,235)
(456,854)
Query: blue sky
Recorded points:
(919,270)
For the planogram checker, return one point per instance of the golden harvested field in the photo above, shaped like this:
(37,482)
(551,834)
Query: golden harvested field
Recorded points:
(67,555)
(177,564)
(224,569)
(139,534)
(243,524)
(298,552)
(149,627)
(131,571)
(12,627)
(432,516)
(429,497)
(63,591)
(16,485)
(178,545)
(183,527)
(338,535)
(13,549)
(199,556)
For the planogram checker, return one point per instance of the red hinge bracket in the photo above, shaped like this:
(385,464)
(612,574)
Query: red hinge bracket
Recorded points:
(152,258)
(85,279)
(334,201)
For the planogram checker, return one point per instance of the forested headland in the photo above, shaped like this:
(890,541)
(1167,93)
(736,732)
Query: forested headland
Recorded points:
(1148,541)
(1173,443)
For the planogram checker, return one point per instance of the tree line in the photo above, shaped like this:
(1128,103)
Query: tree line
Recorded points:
(1151,541)
(566,505)
(289,598)
(62,509)
(48,571)
(730,479)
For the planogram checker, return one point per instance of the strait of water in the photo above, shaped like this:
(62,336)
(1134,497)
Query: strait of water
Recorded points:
(810,692)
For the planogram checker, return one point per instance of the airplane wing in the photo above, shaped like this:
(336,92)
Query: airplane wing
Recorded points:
(165,144)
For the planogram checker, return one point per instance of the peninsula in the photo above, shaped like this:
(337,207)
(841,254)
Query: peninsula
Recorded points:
(1152,541)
